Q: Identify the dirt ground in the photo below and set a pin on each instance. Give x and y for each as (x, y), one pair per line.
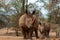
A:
(12, 36)
(21, 38)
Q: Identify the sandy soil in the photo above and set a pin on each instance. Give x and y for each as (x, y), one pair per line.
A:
(21, 38)
(11, 36)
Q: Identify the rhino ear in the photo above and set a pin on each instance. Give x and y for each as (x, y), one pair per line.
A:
(33, 12)
(40, 23)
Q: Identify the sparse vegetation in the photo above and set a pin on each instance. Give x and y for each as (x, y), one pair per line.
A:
(11, 12)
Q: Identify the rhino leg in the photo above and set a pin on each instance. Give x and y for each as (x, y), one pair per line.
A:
(24, 31)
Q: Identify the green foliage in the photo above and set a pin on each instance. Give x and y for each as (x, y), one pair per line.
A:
(3, 20)
(54, 16)
(17, 5)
